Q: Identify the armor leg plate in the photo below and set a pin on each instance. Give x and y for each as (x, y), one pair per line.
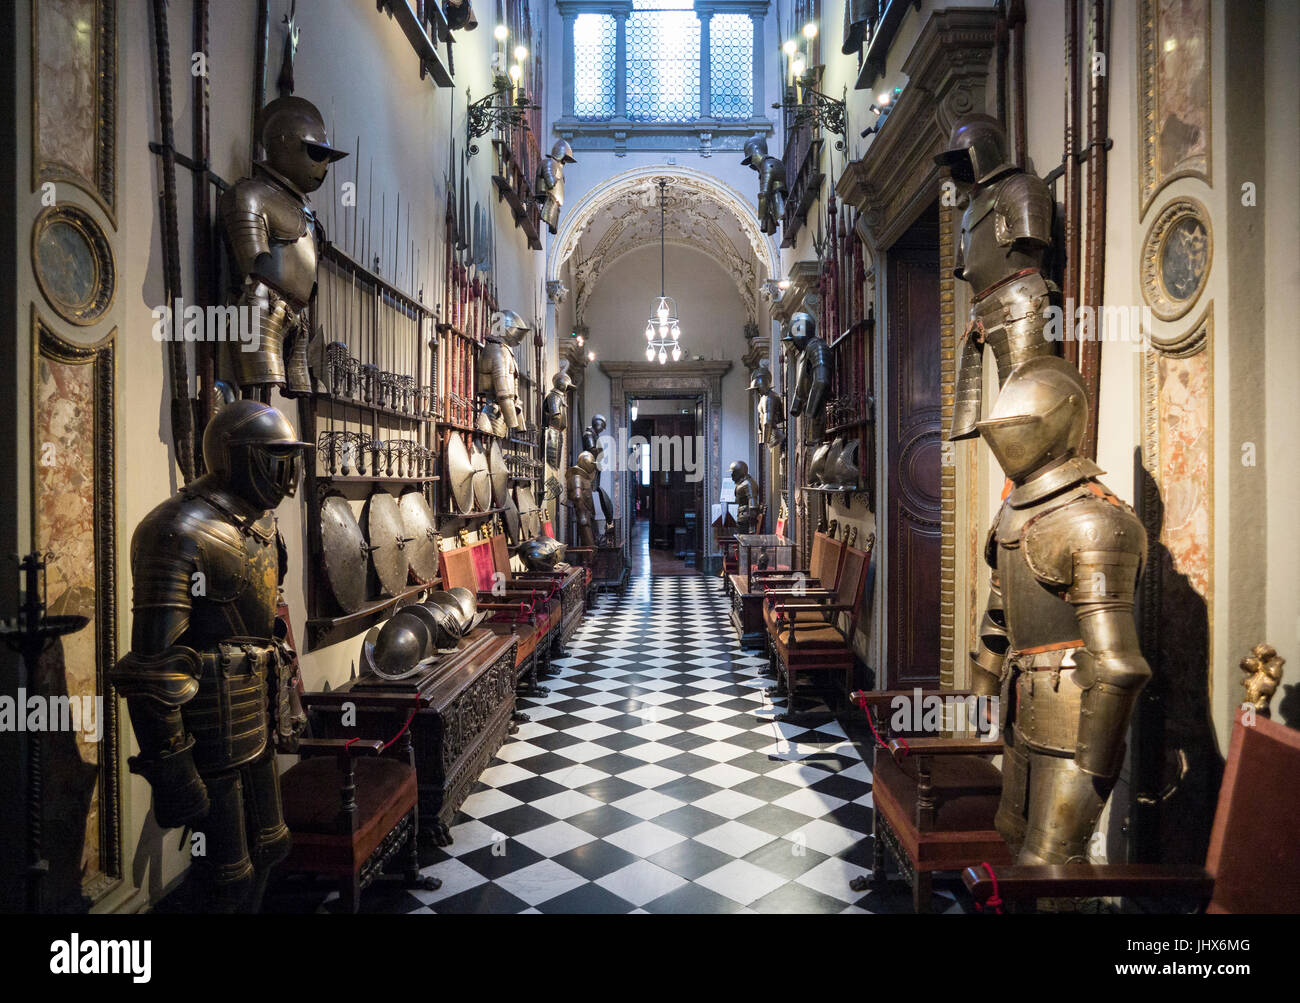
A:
(1064, 804)
(1011, 818)
(224, 874)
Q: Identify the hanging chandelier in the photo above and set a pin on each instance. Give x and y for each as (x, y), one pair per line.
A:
(662, 332)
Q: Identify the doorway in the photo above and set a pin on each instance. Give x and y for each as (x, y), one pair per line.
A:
(665, 504)
(913, 451)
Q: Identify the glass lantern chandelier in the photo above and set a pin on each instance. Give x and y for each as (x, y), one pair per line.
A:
(662, 331)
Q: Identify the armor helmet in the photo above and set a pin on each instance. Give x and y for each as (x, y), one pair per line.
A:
(297, 146)
(761, 379)
(469, 616)
(1039, 417)
(801, 329)
(739, 471)
(977, 150)
(599, 424)
(509, 327)
(400, 645)
(562, 381)
(540, 554)
(252, 448)
(586, 462)
(562, 152)
(755, 151)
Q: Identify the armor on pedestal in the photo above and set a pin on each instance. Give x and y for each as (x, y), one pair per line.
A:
(1058, 642)
(550, 182)
(270, 230)
(498, 372)
(813, 379)
(749, 504)
(1006, 231)
(771, 183)
(205, 663)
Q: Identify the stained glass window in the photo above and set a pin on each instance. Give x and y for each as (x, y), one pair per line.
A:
(594, 51)
(663, 62)
(731, 64)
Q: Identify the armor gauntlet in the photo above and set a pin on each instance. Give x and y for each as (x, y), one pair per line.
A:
(155, 688)
(1110, 667)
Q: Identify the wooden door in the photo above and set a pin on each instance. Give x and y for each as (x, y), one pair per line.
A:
(912, 443)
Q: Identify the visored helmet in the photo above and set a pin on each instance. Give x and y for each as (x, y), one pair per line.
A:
(761, 379)
(297, 146)
(563, 152)
(755, 150)
(977, 150)
(254, 450)
(1039, 417)
(801, 329)
(586, 462)
(562, 381)
(509, 327)
(739, 471)
(599, 424)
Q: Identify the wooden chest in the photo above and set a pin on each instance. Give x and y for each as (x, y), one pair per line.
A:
(458, 711)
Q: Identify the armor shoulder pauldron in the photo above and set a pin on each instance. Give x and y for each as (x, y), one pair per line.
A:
(1089, 521)
(991, 543)
(1024, 210)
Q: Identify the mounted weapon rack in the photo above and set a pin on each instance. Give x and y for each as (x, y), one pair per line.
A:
(850, 323)
(372, 415)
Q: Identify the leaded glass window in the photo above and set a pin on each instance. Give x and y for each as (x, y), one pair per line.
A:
(731, 59)
(594, 52)
(663, 61)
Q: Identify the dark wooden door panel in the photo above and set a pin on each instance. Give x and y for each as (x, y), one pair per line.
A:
(912, 509)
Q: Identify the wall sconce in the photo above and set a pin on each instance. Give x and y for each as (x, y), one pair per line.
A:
(506, 106)
(810, 106)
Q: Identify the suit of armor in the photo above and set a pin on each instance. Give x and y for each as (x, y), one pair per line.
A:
(749, 509)
(205, 662)
(555, 416)
(550, 182)
(270, 230)
(498, 372)
(578, 482)
(1006, 231)
(770, 407)
(813, 378)
(1058, 642)
(771, 183)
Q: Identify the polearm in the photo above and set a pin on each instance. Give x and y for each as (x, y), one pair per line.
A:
(262, 42)
(182, 408)
(205, 280)
(1073, 188)
(1094, 274)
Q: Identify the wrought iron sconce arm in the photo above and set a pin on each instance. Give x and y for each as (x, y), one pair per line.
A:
(819, 110)
(498, 108)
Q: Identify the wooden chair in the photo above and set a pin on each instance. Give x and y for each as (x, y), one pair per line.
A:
(1253, 864)
(802, 634)
(350, 812)
(933, 798)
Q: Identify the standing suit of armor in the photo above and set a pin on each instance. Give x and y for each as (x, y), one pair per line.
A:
(578, 481)
(550, 182)
(771, 409)
(813, 378)
(1006, 231)
(591, 444)
(555, 415)
(498, 372)
(749, 511)
(206, 567)
(270, 230)
(771, 183)
(1058, 641)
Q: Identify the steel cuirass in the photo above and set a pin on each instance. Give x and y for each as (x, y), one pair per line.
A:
(578, 481)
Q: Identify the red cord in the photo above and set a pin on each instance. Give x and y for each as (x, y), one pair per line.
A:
(403, 731)
(994, 901)
(862, 702)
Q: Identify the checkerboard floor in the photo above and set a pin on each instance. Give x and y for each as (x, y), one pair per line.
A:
(653, 778)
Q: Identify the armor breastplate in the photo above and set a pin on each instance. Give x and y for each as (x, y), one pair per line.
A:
(817, 355)
(262, 217)
(498, 370)
(985, 255)
(553, 408)
(1038, 619)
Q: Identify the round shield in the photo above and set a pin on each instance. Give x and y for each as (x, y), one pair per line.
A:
(530, 520)
(345, 553)
(388, 541)
(482, 480)
(511, 514)
(417, 524)
(500, 475)
(460, 472)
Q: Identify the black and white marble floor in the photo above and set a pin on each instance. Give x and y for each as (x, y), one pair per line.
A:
(653, 778)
